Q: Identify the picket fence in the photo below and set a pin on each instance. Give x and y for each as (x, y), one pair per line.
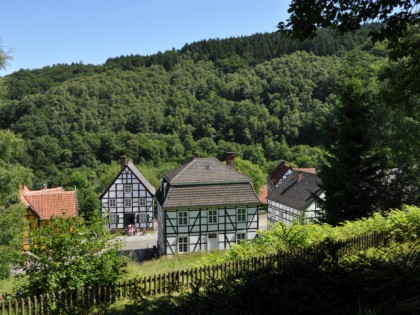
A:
(79, 301)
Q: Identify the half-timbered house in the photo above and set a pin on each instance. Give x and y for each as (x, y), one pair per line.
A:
(129, 199)
(295, 198)
(205, 205)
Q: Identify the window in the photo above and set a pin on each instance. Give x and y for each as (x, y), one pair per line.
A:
(142, 201)
(183, 244)
(183, 218)
(144, 217)
(127, 189)
(212, 216)
(112, 203)
(113, 218)
(241, 215)
(240, 237)
(127, 202)
(212, 235)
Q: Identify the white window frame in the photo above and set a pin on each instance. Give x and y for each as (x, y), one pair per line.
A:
(128, 189)
(241, 215)
(183, 218)
(143, 202)
(128, 202)
(212, 233)
(240, 237)
(182, 244)
(212, 216)
(113, 218)
(112, 203)
(143, 217)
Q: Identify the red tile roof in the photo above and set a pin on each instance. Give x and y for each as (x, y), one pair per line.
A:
(311, 170)
(51, 202)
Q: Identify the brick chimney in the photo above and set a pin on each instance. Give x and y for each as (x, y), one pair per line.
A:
(123, 161)
(300, 176)
(230, 159)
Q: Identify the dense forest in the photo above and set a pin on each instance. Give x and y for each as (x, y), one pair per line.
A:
(266, 97)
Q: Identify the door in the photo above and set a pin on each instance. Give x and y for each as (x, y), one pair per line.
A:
(128, 219)
(212, 242)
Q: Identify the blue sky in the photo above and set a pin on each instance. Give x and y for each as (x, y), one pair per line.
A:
(46, 32)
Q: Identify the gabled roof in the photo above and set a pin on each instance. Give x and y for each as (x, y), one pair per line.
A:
(51, 202)
(295, 193)
(206, 182)
(141, 178)
(151, 189)
(204, 171)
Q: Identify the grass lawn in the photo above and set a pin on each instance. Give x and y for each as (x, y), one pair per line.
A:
(166, 264)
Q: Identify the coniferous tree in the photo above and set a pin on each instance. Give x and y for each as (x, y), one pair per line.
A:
(354, 176)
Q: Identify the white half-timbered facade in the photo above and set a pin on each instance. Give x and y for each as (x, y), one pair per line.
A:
(295, 198)
(205, 205)
(129, 199)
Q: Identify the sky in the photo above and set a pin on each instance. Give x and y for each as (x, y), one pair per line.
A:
(47, 32)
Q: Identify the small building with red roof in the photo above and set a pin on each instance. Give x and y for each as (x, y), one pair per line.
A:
(48, 203)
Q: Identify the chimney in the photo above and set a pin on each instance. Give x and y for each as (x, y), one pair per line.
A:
(196, 155)
(300, 176)
(230, 159)
(45, 186)
(123, 161)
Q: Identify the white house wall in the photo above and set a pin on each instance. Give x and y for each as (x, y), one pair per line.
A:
(198, 228)
(281, 213)
(143, 214)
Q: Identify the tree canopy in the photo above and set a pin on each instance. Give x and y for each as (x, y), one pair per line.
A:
(395, 16)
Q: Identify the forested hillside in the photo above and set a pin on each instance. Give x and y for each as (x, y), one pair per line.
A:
(266, 97)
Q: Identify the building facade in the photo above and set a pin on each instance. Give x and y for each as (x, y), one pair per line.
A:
(129, 199)
(205, 205)
(295, 198)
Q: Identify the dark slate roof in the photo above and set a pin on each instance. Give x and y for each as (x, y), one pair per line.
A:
(297, 194)
(204, 171)
(210, 195)
(206, 182)
(141, 178)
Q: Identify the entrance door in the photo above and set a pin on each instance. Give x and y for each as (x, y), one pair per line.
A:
(128, 219)
(212, 241)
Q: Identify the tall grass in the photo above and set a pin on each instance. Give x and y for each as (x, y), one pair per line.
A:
(166, 264)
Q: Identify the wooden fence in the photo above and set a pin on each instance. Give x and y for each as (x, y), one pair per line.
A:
(79, 301)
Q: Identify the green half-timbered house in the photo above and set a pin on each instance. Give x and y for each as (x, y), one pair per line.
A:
(205, 205)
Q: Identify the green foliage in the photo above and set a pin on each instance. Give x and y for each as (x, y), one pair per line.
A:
(68, 253)
(309, 15)
(253, 171)
(315, 284)
(161, 108)
(280, 237)
(12, 212)
(354, 175)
